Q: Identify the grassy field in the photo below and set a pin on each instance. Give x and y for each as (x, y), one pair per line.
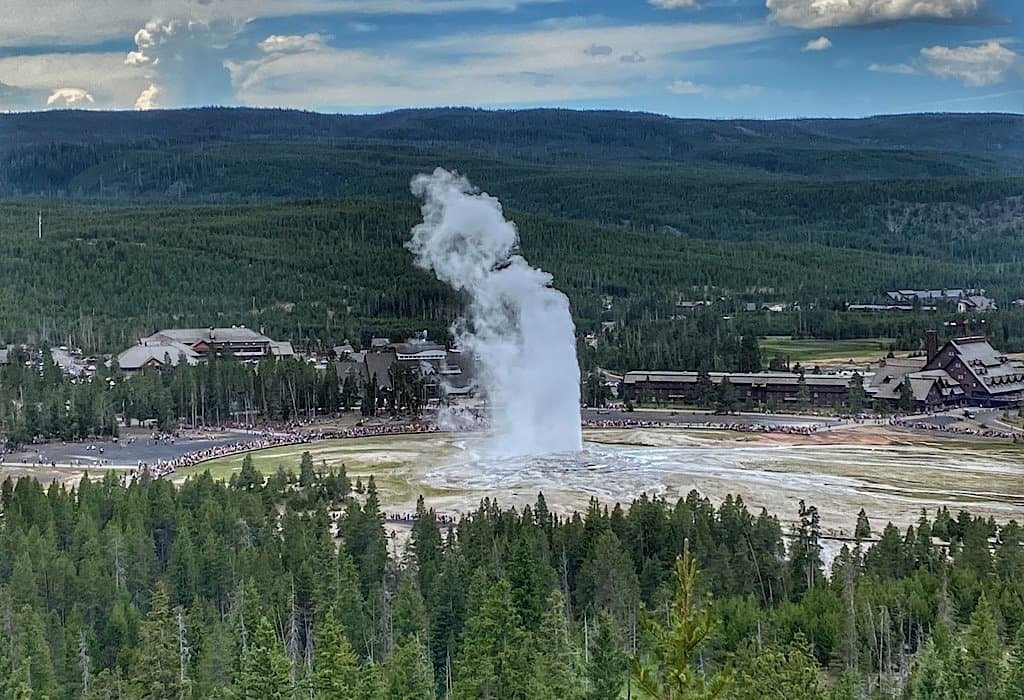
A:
(811, 350)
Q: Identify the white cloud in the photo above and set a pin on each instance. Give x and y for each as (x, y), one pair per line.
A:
(980, 65)
(673, 4)
(897, 68)
(63, 22)
(634, 57)
(149, 98)
(736, 92)
(69, 97)
(277, 43)
(820, 44)
(811, 14)
(33, 79)
(531, 67)
(181, 61)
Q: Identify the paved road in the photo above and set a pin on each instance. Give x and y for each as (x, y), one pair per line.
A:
(117, 454)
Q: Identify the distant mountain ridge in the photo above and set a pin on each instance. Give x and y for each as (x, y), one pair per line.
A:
(524, 133)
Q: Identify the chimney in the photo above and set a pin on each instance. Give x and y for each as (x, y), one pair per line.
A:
(931, 344)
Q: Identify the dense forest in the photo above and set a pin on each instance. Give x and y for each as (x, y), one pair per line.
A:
(319, 273)
(288, 587)
(294, 222)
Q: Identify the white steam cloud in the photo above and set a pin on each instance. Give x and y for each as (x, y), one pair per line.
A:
(517, 326)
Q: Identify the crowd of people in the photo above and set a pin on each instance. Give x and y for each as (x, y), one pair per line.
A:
(953, 429)
(271, 439)
(789, 429)
(409, 518)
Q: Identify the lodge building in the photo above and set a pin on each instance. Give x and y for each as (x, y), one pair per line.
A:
(755, 387)
(173, 346)
(964, 371)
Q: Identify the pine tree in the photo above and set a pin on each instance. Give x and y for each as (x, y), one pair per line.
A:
(803, 393)
(670, 674)
(156, 670)
(31, 658)
(1013, 688)
(495, 660)
(307, 474)
(265, 672)
(606, 670)
(556, 660)
(336, 664)
(863, 529)
(983, 654)
(408, 674)
(856, 396)
(906, 401)
(726, 396)
(408, 614)
(775, 674)
(607, 582)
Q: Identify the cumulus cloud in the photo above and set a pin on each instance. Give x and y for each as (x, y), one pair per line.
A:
(812, 14)
(673, 4)
(634, 57)
(69, 97)
(896, 68)
(149, 98)
(737, 92)
(820, 44)
(182, 64)
(976, 66)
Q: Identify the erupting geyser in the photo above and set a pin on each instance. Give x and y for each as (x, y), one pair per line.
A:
(517, 327)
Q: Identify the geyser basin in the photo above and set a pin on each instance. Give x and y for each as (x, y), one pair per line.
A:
(517, 326)
(890, 481)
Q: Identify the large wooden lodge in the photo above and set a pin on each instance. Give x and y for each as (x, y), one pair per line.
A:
(964, 371)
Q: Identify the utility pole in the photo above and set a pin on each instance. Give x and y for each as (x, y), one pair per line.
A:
(40, 224)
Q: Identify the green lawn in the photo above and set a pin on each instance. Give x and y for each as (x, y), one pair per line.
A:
(812, 350)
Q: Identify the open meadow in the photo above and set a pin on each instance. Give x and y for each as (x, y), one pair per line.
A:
(812, 350)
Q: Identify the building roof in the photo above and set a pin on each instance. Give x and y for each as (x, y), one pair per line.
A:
(922, 384)
(996, 372)
(281, 348)
(887, 379)
(378, 365)
(753, 378)
(140, 356)
(191, 336)
(417, 347)
(981, 303)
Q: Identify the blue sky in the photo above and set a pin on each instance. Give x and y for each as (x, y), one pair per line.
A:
(703, 58)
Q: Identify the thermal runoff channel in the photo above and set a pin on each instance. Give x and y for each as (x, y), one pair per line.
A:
(517, 326)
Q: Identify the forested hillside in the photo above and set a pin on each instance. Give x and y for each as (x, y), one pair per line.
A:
(294, 221)
(322, 272)
(217, 590)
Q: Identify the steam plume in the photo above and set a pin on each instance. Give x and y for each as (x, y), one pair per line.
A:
(517, 326)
